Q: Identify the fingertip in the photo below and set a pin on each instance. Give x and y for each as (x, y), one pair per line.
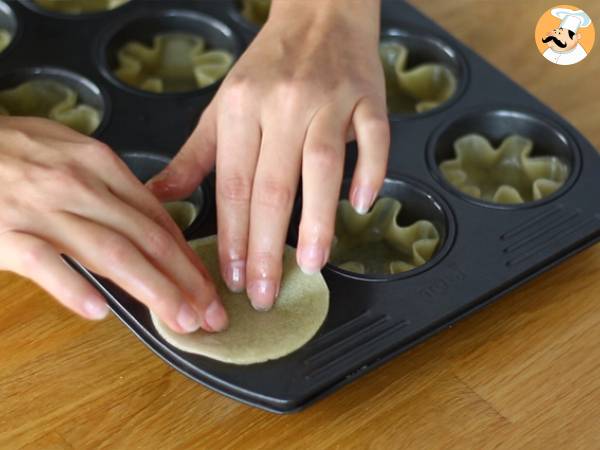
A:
(262, 294)
(188, 319)
(94, 308)
(215, 317)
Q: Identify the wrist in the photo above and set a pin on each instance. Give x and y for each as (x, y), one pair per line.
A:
(362, 15)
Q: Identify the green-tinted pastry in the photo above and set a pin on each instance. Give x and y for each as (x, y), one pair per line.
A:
(253, 336)
(256, 11)
(49, 99)
(183, 213)
(420, 88)
(79, 6)
(375, 244)
(176, 62)
(507, 175)
(5, 39)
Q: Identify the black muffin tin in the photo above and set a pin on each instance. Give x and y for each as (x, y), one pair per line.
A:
(486, 250)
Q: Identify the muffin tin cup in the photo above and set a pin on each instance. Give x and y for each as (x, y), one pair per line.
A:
(143, 27)
(144, 165)
(495, 124)
(419, 202)
(31, 4)
(87, 92)
(425, 47)
(8, 22)
(486, 251)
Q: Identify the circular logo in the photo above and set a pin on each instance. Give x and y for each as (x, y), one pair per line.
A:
(565, 35)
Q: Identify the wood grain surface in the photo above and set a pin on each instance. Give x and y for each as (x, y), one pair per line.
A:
(523, 373)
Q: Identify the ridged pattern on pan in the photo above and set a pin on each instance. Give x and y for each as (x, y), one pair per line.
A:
(79, 6)
(52, 100)
(175, 62)
(415, 89)
(182, 212)
(374, 243)
(5, 38)
(256, 11)
(506, 175)
(252, 336)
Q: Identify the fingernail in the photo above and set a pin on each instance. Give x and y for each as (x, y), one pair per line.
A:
(95, 309)
(236, 272)
(362, 199)
(262, 294)
(215, 316)
(311, 258)
(188, 319)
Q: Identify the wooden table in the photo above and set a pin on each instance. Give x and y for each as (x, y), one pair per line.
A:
(523, 373)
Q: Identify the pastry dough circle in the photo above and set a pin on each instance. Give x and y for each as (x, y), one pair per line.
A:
(254, 337)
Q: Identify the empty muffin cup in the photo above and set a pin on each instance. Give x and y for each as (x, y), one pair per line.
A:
(53, 93)
(406, 231)
(172, 52)
(8, 26)
(145, 165)
(505, 158)
(74, 7)
(421, 72)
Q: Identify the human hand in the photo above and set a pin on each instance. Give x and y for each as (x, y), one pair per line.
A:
(65, 193)
(311, 77)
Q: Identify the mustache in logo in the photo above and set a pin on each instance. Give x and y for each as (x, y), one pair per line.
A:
(556, 41)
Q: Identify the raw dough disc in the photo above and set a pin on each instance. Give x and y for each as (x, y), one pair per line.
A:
(252, 336)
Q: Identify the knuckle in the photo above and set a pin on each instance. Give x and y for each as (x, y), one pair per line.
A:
(159, 243)
(291, 92)
(236, 92)
(377, 126)
(98, 148)
(235, 188)
(325, 156)
(273, 193)
(117, 250)
(32, 255)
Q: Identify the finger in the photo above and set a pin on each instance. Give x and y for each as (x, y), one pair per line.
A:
(373, 137)
(191, 164)
(162, 250)
(123, 185)
(238, 146)
(32, 257)
(115, 257)
(322, 172)
(273, 192)
(44, 129)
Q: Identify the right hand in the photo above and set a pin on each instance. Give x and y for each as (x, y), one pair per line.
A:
(65, 193)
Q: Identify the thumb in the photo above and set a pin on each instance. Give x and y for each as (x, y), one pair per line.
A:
(191, 164)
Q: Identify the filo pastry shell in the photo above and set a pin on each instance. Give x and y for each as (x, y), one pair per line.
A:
(415, 89)
(506, 175)
(374, 243)
(175, 62)
(52, 100)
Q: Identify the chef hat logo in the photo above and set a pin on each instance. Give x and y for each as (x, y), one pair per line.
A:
(565, 35)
